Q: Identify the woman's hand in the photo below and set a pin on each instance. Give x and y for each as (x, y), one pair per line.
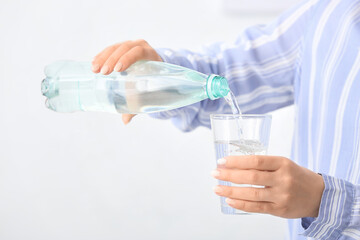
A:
(120, 56)
(291, 191)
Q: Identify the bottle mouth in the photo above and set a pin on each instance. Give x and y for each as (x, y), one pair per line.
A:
(216, 87)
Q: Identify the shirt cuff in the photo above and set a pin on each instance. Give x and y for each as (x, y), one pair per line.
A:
(165, 55)
(335, 210)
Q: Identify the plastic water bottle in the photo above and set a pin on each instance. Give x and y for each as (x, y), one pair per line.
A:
(145, 87)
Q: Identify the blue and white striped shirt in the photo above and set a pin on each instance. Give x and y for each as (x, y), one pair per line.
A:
(308, 57)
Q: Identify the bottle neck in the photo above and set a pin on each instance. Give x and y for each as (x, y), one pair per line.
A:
(216, 87)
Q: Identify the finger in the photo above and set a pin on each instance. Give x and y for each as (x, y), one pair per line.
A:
(133, 55)
(259, 162)
(100, 59)
(245, 193)
(250, 206)
(253, 177)
(126, 118)
(113, 59)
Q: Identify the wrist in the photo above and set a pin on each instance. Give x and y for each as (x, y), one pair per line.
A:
(318, 189)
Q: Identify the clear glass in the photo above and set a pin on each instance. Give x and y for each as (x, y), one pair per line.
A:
(236, 135)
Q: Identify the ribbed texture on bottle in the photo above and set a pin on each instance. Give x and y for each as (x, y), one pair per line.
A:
(217, 87)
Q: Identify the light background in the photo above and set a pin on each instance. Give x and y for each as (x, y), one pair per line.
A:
(85, 175)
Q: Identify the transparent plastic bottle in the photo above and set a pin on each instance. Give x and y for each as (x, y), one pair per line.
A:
(145, 87)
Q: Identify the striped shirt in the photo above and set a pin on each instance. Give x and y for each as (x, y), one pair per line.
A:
(308, 57)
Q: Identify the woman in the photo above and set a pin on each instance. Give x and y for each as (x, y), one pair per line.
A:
(308, 57)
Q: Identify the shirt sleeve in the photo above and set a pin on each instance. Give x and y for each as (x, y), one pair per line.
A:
(339, 213)
(260, 66)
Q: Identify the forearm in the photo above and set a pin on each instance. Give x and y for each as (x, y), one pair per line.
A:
(205, 62)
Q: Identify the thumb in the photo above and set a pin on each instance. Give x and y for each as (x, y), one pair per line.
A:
(126, 118)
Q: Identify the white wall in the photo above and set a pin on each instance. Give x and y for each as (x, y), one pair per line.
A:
(86, 176)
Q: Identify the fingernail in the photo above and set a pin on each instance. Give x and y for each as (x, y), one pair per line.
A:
(217, 189)
(104, 69)
(221, 161)
(215, 173)
(229, 201)
(118, 67)
(95, 67)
